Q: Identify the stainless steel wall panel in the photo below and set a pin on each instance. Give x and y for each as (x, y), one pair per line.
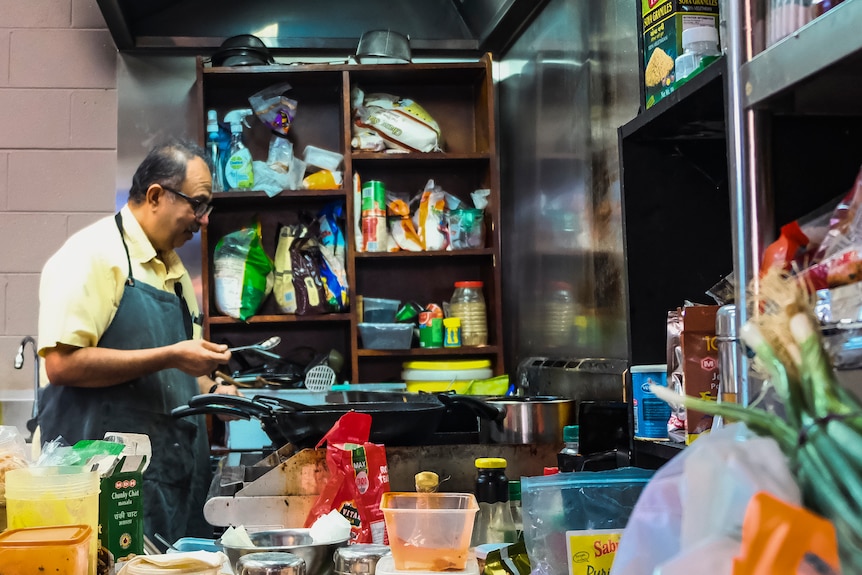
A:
(565, 86)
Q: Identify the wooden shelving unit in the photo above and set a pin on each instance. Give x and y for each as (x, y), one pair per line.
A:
(460, 97)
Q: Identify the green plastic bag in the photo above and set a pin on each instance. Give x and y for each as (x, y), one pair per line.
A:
(243, 273)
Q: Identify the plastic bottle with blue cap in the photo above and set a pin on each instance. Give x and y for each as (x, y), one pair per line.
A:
(238, 173)
(213, 142)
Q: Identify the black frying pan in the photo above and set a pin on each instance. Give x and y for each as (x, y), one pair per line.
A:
(393, 423)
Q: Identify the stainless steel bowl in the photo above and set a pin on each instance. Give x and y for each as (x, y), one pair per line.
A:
(317, 556)
(359, 559)
(270, 563)
(383, 46)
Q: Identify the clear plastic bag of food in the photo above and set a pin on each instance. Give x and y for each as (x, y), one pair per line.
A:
(273, 108)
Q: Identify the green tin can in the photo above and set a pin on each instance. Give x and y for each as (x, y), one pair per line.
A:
(373, 198)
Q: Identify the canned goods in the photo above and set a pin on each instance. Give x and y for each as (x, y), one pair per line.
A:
(373, 198)
(375, 235)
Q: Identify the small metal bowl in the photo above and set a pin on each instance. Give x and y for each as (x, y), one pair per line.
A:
(359, 559)
(270, 563)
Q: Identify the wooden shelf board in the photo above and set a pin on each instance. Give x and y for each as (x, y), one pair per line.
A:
(281, 318)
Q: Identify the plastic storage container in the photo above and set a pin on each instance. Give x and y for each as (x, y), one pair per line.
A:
(554, 504)
(323, 159)
(51, 496)
(386, 566)
(189, 544)
(386, 335)
(55, 550)
(429, 531)
(468, 303)
(378, 310)
(700, 45)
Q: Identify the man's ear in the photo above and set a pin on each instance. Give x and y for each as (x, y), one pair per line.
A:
(155, 195)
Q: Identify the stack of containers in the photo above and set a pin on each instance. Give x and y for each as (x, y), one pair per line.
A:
(441, 376)
(55, 496)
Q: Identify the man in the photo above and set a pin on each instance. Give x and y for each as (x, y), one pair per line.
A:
(119, 331)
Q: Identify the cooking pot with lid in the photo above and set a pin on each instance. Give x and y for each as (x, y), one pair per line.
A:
(535, 419)
(242, 50)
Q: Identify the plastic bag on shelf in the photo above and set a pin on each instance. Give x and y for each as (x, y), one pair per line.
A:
(273, 108)
(401, 122)
(243, 273)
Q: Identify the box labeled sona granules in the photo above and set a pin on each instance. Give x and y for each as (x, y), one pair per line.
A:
(663, 22)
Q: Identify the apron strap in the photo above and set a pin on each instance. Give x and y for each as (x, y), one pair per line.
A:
(119, 219)
(187, 314)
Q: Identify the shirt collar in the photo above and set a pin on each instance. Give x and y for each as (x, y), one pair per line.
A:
(141, 249)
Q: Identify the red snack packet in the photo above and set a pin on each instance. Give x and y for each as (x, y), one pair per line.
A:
(358, 477)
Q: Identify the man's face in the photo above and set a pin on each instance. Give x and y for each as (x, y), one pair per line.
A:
(181, 220)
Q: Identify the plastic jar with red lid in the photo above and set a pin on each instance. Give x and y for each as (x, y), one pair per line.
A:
(468, 303)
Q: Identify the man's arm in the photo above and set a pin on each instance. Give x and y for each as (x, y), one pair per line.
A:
(103, 367)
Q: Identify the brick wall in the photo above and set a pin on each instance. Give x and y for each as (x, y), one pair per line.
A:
(58, 149)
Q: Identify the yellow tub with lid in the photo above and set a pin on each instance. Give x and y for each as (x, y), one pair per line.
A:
(461, 377)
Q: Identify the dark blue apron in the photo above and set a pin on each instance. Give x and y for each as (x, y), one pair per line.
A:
(177, 480)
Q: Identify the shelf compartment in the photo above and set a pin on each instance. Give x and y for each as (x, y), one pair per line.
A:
(830, 45)
(319, 117)
(694, 111)
(456, 97)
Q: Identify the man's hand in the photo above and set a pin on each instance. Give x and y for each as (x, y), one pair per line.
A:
(217, 385)
(199, 357)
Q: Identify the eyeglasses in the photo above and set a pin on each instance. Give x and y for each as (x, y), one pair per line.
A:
(200, 207)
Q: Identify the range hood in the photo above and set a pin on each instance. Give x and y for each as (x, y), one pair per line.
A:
(325, 27)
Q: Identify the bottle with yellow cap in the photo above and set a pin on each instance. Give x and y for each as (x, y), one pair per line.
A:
(494, 522)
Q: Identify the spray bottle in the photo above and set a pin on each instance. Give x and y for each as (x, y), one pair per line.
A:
(213, 148)
(238, 172)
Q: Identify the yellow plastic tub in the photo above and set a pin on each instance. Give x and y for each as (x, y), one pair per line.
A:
(458, 387)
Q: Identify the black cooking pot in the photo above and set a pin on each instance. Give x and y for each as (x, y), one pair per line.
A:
(242, 50)
(395, 423)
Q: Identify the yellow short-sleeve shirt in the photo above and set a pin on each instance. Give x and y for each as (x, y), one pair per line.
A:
(82, 283)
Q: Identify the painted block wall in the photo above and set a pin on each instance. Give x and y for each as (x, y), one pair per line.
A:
(58, 150)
